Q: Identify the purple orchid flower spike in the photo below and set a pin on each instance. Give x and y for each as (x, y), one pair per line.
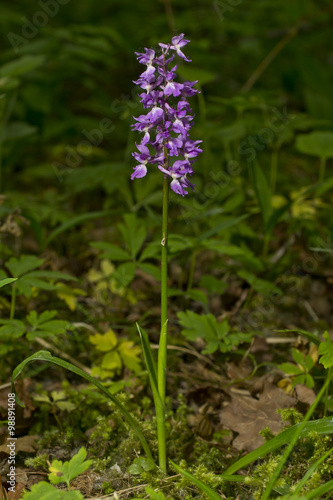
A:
(167, 124)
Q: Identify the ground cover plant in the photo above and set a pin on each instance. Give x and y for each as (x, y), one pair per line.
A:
(222, 389)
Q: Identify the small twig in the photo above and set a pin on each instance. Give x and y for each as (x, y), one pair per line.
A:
(169, 14)
(279, 340)
(282, 250)
(189, 351)
(5, 386)
(132, 488)
(84, 325)
(311, 312)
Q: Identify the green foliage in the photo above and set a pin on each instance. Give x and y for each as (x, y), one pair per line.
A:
(259, 285)
(6, 281)
(43, 326)
(140, 465)
(134, 234)
(46, 356)
(65, 472)
(45, 491)
(56, 399)
(153, 495)
(118, 353)
(316, 144)
(202, 486)
(250, 228)
(134, 257)
(216, 335)
(61, 472)
(262, 192)
(300, 372)
(325, 349)
(29, 277)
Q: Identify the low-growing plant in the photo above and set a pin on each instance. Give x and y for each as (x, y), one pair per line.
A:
(216, 334)
(116, 354)
(61, 472)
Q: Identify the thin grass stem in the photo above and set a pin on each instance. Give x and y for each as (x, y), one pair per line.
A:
(13, 300)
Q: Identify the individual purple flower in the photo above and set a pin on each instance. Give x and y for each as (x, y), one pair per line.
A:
(177, 43)
(146, 58)
(173, 88)
(169, 118)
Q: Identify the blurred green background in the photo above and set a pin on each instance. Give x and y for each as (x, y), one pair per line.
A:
(67, 101)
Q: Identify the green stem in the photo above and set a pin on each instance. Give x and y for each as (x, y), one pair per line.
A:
(164, 255)
(292, 443)
(329, 375)
(266, 245)
(322, 169)
(169, 14)
(162, 350)
(2, 112)
(12, 304)
(0, 162)
(274, 163)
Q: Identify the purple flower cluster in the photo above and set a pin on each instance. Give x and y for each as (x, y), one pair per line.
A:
(167, 124)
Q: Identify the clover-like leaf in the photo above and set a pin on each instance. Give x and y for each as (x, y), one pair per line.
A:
(45, 491)
(140, 465)
(64, 472)
(129, 354)
(24, 264)
(104, 342)
(111, 361)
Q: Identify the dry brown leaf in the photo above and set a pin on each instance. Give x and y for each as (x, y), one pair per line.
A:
(248, 416)
(305, 394)
(239, 371)
(25, 443)
(17, 494)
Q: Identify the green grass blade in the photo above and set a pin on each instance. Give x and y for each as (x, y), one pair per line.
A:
(322, 426)
(222, 225)
(294, 439)
(203, 487)
(162, 360)
(262, 191)
(151, 368)
(46, 356)
(235, 477)
(310, 336)
(158, 402)
(321, 490)
(74, 222)
(311, 471)
(6, 281)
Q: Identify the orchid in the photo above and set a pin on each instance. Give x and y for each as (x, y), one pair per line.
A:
(167, 124)
(166, 145)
